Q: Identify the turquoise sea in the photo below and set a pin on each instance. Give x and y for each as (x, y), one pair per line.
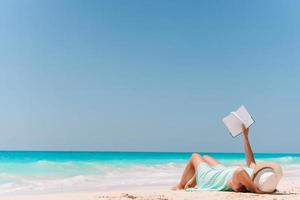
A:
(42, 171)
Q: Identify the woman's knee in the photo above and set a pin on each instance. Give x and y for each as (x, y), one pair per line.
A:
(206, 157)
(196, 156)
(196, 159)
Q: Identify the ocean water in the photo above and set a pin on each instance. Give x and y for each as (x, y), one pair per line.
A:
(27, 172)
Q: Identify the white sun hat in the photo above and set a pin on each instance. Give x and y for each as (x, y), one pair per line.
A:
(266, 176)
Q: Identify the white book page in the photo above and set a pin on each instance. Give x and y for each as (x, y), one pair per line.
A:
(234, 121)
(233, 124)
(245, 116)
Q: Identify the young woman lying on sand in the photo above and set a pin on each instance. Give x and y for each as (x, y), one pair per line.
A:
(204, 173)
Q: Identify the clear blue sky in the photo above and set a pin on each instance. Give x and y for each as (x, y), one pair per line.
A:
(148, 75)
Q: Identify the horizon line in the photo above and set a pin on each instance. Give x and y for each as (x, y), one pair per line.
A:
(107, 151)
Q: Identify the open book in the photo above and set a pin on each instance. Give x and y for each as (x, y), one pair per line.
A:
(234, 121)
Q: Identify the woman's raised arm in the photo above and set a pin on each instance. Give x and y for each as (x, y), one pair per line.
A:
(248, 150)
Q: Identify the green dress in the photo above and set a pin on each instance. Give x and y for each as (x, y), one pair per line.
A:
(214, 178)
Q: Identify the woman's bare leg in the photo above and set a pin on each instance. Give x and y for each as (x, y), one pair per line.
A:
(189, 171)
(210, 160)
(191, 183)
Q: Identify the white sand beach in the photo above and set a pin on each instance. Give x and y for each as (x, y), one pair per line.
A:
(289, 188)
